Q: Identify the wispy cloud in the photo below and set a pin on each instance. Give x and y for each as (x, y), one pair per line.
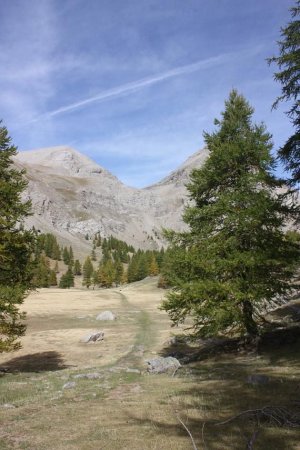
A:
(132, 87)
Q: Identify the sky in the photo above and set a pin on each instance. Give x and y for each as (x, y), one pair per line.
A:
(134, 83)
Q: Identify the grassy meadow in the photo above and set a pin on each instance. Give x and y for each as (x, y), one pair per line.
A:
(121, 406)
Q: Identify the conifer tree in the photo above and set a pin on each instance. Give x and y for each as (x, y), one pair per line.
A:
(119, 271)
(71, 257)
(16, 246)
(87, 271)
(106, 273)
(41, 272)
(288, 63)
(67, 279)
(95, 278)
(66, 256)
(56, 269)
(52, 278)
(93, 255)
(77, 267)
(153, 266)
(236, 257)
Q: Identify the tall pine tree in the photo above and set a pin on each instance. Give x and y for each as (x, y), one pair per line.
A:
(236, 256)
(288, 63)
(16, 246)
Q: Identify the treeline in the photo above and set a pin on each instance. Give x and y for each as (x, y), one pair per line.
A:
(47, 248)
(120, 263)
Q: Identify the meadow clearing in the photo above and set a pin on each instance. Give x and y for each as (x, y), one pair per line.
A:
(115, 403)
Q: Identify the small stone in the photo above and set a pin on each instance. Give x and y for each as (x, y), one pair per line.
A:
(88, 376)
(106, 315)
(93, 337)
(8, 406)
(128, 370)
(69, 385)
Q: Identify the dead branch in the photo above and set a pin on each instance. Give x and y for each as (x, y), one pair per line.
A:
(277, 415)
(189, 433)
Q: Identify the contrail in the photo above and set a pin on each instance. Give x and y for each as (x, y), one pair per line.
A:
(137, 85)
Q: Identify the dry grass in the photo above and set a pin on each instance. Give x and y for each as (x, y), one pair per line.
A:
(123, 410)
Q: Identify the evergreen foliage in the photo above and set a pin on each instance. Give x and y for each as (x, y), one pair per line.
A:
(93, 255)
(41, 276)
(288, 63)
(236, 257)
(106, 273)
(16, 246)
(87, 271)
(77, 267)
(67, 279)
(48, 244)
(42, 272)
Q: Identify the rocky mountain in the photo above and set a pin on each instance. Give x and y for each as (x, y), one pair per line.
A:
(72, 196)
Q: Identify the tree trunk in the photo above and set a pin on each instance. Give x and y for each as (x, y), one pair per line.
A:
(248, 320)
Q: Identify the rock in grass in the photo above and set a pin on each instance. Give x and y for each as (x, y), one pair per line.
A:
(162, 365)
(95, 336)
(129, 370)
(258, 379)
(88, 376)
(69, 385)
(106, 315)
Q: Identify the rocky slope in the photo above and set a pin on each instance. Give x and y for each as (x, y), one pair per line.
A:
(73, 196)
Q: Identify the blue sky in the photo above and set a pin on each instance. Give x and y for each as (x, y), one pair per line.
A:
(133, 84)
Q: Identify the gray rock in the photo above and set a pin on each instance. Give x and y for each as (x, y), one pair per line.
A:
(88, 376)
(258, 379)
(106, 315)
(128, 370)
(95, 336)
(8, 406)
(162, 365)
(69, 385)
(117, 369)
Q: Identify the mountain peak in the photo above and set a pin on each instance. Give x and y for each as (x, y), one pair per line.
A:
(62, 160)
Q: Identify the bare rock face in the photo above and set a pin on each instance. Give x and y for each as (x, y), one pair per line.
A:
(72, 196)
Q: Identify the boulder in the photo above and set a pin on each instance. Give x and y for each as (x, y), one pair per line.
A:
(106, 315)
(95, 336)
(162, 365)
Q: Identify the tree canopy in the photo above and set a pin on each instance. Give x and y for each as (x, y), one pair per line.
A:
(236, 257)
(16, 246)
(288, 63)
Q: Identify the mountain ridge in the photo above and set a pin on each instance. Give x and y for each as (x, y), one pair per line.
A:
(73, 196)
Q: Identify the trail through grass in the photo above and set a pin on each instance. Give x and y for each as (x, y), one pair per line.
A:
(121, 409)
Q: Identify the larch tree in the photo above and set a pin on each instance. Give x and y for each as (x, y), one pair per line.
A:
(236, 257)
(288, 62)
(87, 271)
(16, 246)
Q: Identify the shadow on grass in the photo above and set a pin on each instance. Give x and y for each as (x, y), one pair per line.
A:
(35, 362)
(270, 343)
(218, 389)
(219, 392)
